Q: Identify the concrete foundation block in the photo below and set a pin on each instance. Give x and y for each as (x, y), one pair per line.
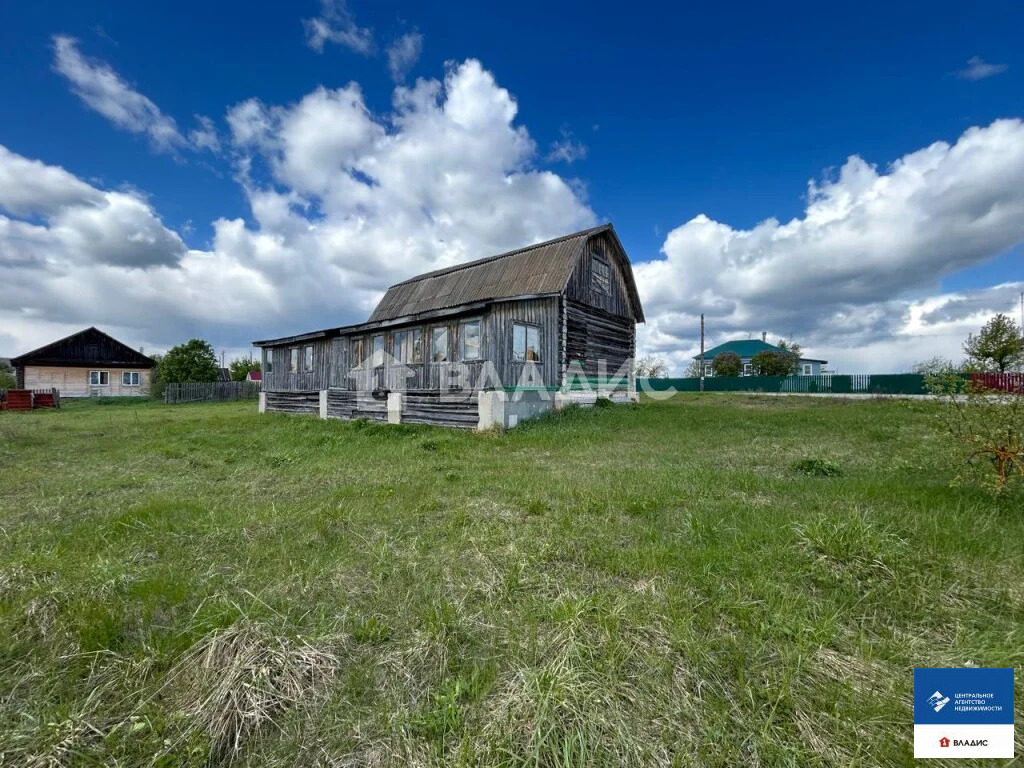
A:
(492, 410)
(263, 402)
(323, 403)
(394, 408)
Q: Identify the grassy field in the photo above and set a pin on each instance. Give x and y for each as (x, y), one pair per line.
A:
(637, 585)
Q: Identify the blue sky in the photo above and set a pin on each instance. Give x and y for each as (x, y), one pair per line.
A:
(666, 113)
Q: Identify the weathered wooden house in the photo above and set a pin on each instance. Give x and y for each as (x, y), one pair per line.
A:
(531, 325)
(87, 363)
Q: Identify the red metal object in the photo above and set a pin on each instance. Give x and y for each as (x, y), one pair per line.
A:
(44, 400)
(19, 400)
(1001, 382)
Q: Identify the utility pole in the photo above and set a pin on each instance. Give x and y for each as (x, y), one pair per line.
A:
(701, 351)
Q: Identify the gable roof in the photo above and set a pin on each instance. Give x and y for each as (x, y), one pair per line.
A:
(536, 270)
(77, 349)
(748, 348)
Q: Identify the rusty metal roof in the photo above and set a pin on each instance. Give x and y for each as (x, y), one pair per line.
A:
(540, 269)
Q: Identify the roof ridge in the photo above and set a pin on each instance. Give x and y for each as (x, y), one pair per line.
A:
(513, 252)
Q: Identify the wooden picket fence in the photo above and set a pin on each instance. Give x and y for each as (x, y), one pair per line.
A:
(206, 391)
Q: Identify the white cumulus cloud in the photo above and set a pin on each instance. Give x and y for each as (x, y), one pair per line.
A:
(343, 203)
(847, 273)
(403, 53)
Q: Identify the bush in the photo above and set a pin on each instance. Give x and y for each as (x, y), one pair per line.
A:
(603, 402)
(727, 364)
(985, 426)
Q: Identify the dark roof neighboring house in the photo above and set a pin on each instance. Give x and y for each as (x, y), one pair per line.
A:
(536, 270)
(83, 349)
(747, 348)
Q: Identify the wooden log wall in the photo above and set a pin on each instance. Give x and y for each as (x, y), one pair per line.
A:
(294, 402)
(593, 335)
(441, 410)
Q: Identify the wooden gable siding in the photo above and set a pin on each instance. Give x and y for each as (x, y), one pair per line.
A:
(280, 379)
(580, 287)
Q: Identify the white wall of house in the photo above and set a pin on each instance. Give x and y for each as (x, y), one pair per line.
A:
(807, 368)
(88, 382)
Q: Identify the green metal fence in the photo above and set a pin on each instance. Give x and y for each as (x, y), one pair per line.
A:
(860, 383)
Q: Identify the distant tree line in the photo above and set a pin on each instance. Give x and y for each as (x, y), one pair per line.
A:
(194, 361)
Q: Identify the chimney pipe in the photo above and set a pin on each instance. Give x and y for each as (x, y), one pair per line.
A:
(764, 335)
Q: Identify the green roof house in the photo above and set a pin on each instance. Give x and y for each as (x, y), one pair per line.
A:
(747, 348)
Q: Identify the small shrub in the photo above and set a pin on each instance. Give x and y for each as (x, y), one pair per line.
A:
(603, 402)
(987, 428)
(818, 468)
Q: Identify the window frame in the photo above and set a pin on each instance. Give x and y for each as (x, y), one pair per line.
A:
(293, 360)
(417, 346)
(307, 358)
(356, 347)
(709, 370)
(100, 377)
(748, 369)
(374, 350)
(268, 362)
(600, 282)
(447, 331)
(808, 369)
(463, 357)
(136, 375)
(528, 329)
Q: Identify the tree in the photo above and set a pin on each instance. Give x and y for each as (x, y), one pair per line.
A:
(998, 347)
(240, 367)
(987, 426)
(727, 364)
(650, 367)
(935, 366)
(7, 379)
(791, 347)
(692, 370)
(194, 360)
(768, 362)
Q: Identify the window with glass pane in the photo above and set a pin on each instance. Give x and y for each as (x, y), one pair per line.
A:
(525, 343)
(129, 378)
(378, 350)
(357, 352)
(400, 346)
(417, 345)
(293, 360)
(601, 276)
(439, 345)
(471, 340)
(99, 378)
(270, 361)
(307, 359)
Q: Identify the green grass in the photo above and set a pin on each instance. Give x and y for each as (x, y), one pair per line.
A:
(716, 581)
